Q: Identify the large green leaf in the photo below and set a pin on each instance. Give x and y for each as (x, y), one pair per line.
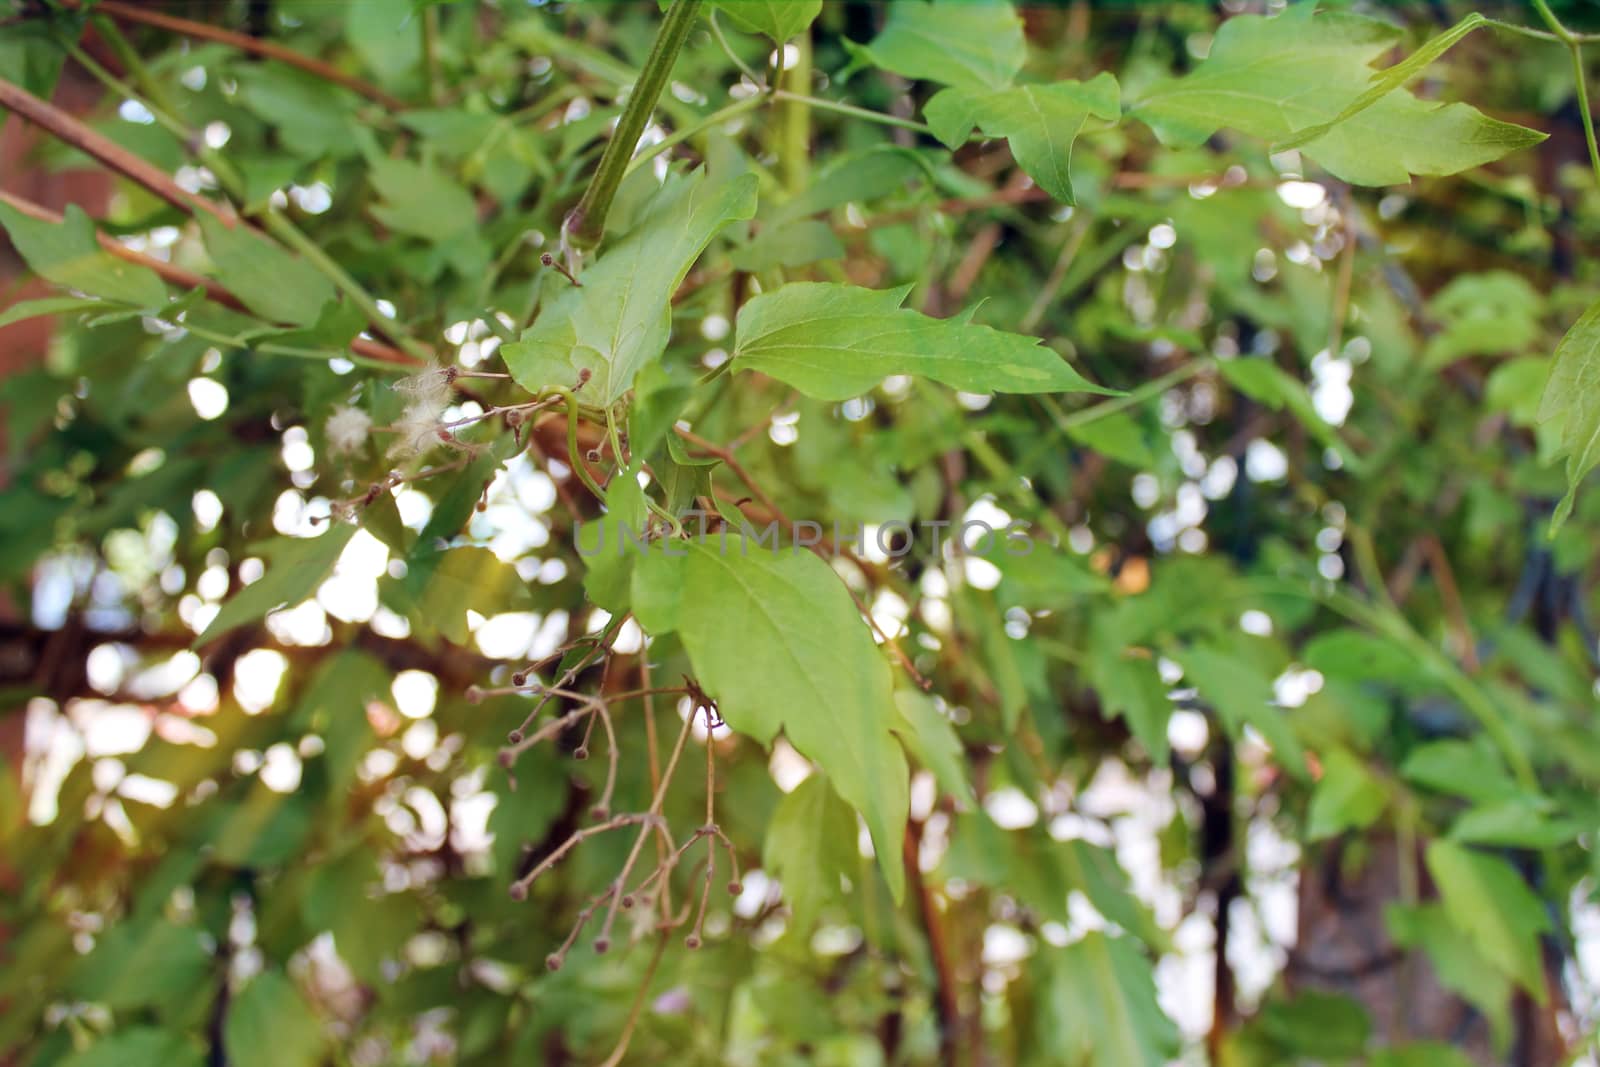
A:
(68, 254)
(271, 282)
(778, 19)
(1572, 400)
(1100, 1006)
(970, 44)
(1041, 122)
(1272, 77)
(620, 318)
(834, 342)
(1493, 907)
(778, 643)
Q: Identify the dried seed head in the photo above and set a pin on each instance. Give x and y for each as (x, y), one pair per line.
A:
(601, 945)
(514, 737)
(581, 752)
(548, 260)
(520, 678)
(735, 888)
(626, 901)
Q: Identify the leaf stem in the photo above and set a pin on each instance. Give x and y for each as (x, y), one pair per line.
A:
(1153, 388)
(1574, 43)
(850, 109)
(733, 110)
(587, 223)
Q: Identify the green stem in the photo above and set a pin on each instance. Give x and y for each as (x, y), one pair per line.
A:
(733, 110)
(1574, 43)
(280, 227)
(796, 120)
(578, 465)
(269, 348)
(1149, 390)
(587, 223)
(430, 53)
(850, 109)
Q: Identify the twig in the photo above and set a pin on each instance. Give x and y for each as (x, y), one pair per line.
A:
(215, 291)
(127, 12)
(626, 1037)
(1450, 594)
(68, 129)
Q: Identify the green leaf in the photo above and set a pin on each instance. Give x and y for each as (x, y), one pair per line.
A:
(1347, 797)
(1270, 78)
(1460, 768)
(332, 705)
(442, 587)
(620, 318)
(776, 640)
(1419, 1054)
(1483, 314)
(272, 283)
(1130, 686)
(1518, 822)
(295, 567)
(52, 305)
(810, 843)
(139, 1046)
(1241, 695)
(1457, 963)
(420, 200)
(970, 44)
(657, 587)
(1493, 907)
(68, 254)
(1319, 1026)
(778, 19)
(834, 342)
(931, 738)
(1572, 402)
(387, 35)
(1116, 436)
(141, 965)
(1040, 122)
(1390, 79)
(346, 898)
(1099, 1006)
(611, 545)
(269, 1024)
(1266, 383)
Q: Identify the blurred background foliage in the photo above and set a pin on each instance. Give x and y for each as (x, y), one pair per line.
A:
(1208, 781)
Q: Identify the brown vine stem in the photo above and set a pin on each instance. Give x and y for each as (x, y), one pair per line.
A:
(63, 126)
(626, 1037)
(656, 802)
(215, 291)
(126, 12)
